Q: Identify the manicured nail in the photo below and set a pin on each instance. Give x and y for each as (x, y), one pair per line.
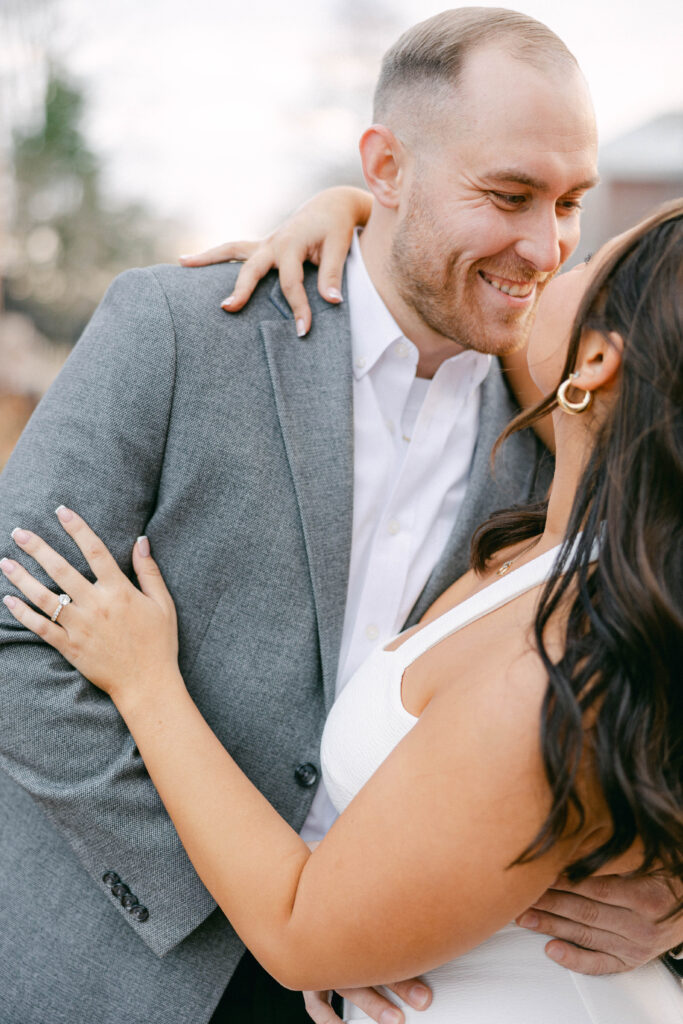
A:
(419, 996)
(20, 536)
(184, 256)
(389, 1017)
(528, 920)
(7, 565)
(64, 514)
(300, 328)
(334, 293)
(555, 952)
(227, 303)
(11, 602)
(143, 546)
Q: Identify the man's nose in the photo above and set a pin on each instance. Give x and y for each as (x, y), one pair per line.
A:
(543, 244)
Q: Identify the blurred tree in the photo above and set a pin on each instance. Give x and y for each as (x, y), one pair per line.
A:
(67, 240)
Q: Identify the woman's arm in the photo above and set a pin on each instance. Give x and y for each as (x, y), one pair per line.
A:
(413, 873)
(319, 232)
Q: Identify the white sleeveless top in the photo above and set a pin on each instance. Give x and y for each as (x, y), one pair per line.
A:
(507, 979)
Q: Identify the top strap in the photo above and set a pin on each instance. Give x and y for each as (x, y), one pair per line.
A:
(514, 584)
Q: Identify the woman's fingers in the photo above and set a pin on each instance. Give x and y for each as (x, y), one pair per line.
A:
(292, 284)
(149, 575)
(255, 268)
(39, 624)
(95, 551)
(58, 569)
(335, 249)
(37, 594)
(220, 254)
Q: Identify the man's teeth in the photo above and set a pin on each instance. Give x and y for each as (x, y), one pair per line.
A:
(517, 290)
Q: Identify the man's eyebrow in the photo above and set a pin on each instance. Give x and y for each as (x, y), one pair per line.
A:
(519, 178)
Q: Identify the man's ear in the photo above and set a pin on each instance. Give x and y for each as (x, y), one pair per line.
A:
(599, 360)
(383, 157)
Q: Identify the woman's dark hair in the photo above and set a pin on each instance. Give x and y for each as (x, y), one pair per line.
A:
(616, 693)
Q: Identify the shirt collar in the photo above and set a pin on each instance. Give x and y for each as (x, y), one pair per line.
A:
(373, 328)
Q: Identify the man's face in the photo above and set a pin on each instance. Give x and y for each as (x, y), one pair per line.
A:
(491, 201)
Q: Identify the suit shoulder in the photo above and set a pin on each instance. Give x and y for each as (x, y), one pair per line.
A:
(202, 289)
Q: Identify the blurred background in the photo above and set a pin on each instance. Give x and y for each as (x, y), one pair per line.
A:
(134, 130)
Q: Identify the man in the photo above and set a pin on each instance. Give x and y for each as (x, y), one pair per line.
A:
(234, 449)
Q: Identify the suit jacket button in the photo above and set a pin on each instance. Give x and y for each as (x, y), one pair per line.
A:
(119, 890)
(128, 900)
(306, 774)
(110, 878)
(139, 912)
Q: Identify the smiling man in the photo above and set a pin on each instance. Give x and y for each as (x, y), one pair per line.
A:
(304, 501)
(477, 170)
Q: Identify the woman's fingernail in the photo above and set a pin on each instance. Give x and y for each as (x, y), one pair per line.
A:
(389, 1017)
(64, 514)
(300, 328)
(20, 536)
(528, 920)
(419, 996)
(227, 303)
(143, 546)
(7, 565)
(11, 602)
(184, 256)
(334, 293)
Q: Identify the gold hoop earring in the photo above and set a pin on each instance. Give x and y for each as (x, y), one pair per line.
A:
(575, 408)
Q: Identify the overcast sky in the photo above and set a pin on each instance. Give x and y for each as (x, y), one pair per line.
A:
(211, 110)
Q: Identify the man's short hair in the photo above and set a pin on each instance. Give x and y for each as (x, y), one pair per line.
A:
(428, 59)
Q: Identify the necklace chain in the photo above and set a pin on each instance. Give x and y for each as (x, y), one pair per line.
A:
(506, 565)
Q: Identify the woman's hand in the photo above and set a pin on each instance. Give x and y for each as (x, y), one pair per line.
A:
(319, 232)
(120, 638)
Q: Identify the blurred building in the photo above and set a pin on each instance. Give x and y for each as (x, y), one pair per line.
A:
(639, 171)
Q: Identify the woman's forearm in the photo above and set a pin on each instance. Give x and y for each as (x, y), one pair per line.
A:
(246, 855)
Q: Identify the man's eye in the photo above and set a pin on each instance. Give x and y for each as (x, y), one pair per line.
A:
(571, 204)
(510, 200)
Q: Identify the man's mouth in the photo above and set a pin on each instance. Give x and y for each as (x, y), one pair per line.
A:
(517, 289)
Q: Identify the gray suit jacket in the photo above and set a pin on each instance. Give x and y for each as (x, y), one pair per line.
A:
(229, 442)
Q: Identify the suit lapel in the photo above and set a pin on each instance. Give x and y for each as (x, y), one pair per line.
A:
(312, 383)
(512, 481)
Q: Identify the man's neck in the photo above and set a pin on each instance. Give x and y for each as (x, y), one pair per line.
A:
(434, 348)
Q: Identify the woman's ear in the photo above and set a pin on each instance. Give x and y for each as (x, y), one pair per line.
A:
(599, 360)
(383, 157)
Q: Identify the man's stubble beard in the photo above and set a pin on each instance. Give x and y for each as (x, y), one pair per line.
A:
(433, 287)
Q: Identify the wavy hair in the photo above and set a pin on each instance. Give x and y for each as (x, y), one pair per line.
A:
(616, 692)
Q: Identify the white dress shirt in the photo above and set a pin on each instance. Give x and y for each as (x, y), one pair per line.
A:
(413, 445)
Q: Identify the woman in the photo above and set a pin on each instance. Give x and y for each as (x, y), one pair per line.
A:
(457, 814)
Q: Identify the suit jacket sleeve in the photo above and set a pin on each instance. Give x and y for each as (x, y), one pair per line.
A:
(96, 444)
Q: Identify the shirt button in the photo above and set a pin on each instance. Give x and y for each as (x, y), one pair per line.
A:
(360, 362)
(390, 426)
(402, 349)
(306, 774)
(393, 527)
(371, 632)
